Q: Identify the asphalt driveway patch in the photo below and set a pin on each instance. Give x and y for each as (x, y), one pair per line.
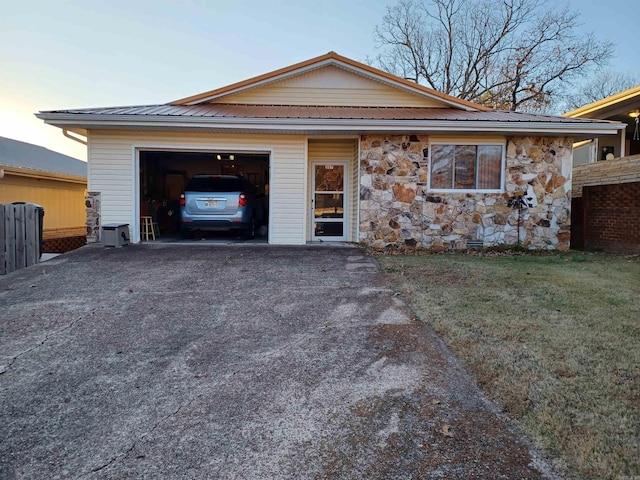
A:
(234, 362)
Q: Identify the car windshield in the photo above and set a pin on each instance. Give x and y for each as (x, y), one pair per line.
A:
(214, 184)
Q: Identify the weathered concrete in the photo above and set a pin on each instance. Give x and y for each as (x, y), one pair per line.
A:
(243, 362)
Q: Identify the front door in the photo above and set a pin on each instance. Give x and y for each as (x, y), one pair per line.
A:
(328, 201)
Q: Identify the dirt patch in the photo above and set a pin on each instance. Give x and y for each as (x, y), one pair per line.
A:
(442, 429)
(401, 342)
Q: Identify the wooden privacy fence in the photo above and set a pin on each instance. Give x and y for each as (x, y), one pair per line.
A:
(20, 236)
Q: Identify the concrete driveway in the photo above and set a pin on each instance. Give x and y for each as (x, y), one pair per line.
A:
(235, 362)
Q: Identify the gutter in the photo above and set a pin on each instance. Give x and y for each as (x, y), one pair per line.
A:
(66, 133)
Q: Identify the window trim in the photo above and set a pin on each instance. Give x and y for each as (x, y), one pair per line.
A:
(454, 143)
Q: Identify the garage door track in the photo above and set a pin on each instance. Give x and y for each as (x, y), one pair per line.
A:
(235, 362)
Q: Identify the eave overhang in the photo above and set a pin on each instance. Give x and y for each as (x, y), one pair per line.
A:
(324, 125)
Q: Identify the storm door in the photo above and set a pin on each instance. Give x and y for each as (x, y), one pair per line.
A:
(328, 201)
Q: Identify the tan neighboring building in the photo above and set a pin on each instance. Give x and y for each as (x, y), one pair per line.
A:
(56, 182)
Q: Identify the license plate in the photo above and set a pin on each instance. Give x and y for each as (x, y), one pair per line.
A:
(211, 203)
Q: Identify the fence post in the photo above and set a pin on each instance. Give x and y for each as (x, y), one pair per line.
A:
(21, 223)
(32, 247)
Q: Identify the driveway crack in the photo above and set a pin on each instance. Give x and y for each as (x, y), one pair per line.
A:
(12, 360)
(138, 440)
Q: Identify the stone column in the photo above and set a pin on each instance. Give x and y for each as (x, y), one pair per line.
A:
(92, 204)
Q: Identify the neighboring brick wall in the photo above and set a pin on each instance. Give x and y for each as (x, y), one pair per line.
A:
(618, 170)
(612, 217)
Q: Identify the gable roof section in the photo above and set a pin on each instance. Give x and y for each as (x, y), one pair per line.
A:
(433, 112)
(330, 59)
(621, 102)
(14, 153)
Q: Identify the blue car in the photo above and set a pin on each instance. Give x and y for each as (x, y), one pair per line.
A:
(218, 203)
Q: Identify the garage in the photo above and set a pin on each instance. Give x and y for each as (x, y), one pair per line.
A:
(164, 174)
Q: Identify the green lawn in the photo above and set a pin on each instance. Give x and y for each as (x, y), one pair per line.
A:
(554, 339)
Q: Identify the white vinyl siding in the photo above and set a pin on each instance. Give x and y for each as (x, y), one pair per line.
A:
(321, 150)
(330, 86)
(112, 158)
(355, 191)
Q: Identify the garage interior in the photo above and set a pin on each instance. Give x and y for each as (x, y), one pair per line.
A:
(164, 174)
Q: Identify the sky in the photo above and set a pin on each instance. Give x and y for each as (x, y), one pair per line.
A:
(67, 54)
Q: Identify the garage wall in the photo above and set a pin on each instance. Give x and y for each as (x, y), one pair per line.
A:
(111, 172)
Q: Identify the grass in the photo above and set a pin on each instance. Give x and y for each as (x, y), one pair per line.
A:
(554, 339)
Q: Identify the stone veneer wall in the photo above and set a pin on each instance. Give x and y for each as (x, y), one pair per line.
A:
(396, 209)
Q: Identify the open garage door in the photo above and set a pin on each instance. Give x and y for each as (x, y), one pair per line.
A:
(165, 174)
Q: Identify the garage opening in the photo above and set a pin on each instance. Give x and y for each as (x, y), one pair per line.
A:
(165, 174)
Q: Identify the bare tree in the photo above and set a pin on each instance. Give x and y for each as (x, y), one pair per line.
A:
(602, 85)
(507, 54)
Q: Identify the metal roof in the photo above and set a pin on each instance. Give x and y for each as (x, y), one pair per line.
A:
(231, 111)
(14, 153)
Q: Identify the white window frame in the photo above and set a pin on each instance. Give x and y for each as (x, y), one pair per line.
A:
(455, 143)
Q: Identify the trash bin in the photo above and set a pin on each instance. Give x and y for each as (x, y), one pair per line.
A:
(115, 234)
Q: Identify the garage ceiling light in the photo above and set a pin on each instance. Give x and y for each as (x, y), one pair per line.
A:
(225, 157)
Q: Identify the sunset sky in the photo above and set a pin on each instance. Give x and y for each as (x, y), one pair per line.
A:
(73, 54)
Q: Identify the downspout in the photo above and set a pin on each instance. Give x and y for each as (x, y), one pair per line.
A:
(66, 133)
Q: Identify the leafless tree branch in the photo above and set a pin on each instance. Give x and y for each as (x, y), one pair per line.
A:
(511, 54)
